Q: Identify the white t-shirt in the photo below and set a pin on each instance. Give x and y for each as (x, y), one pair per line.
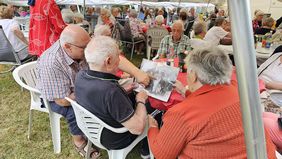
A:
(215, 34)
(9, 25)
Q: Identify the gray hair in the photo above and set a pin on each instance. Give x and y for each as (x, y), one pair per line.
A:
(219, 21)
(67, 15)
(159, 19)
(78, 15)
(133, 13)
(99, 48)
(199, 28)
(211, 65)
(268, 22)
(104, 30)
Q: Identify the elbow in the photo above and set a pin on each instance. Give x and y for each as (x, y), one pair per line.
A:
(139, 129)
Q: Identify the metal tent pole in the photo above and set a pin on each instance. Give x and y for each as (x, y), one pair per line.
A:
(245, 59)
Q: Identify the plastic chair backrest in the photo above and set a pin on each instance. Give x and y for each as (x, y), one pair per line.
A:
(7, 52)
(156, 34)
(124, 30)
(91, 125)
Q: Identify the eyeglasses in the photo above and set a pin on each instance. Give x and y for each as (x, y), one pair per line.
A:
(81, 47)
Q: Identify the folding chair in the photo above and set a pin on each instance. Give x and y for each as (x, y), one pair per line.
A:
(92, 127)
(126, 36)
(8, 56)
(26, 76)
(154, 38)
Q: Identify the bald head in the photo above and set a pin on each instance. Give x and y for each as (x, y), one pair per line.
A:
(74, 39)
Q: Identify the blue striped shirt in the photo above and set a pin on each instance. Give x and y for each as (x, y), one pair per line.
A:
(56, 73)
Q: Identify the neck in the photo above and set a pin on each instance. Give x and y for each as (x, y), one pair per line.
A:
(99, 69)
(195, 86)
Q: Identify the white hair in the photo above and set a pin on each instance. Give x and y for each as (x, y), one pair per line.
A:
(104, 30)
(159, 19)
(99, 48)
(178, 22)
(78, 15)
(211, 65)
(67, 15)
(106, 12)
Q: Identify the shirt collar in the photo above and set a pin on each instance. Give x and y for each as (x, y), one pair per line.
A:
(181, 39)
(102, 75)
(207, 88)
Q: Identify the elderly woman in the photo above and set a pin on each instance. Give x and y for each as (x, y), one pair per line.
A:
(106, 18)
(257, 21)
(200, 30)
(209, 119)
(267, 24)
(13, 32)
(159, 20)
(68, 16)
(136, 30)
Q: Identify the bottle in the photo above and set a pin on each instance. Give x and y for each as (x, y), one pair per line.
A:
(181, 63)
(269, 40)
(263, 42)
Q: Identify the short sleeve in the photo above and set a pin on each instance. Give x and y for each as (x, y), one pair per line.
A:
(221, 33)
(15, 25)
(120, 106)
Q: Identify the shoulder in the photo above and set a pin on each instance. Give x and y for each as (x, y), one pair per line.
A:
(52, 57)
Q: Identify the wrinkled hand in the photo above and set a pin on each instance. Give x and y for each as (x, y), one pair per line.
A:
(129, 87)
(179, 87)
(152, 122)
(143, 78)
(142, 96)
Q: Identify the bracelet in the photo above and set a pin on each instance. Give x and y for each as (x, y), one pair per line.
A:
(140, 102)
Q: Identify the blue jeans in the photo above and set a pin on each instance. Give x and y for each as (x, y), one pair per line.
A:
(68, 113)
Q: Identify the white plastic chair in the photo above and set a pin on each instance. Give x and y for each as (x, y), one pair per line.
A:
(154, 38)
(278, 155)
(92, 127)
(26, 76)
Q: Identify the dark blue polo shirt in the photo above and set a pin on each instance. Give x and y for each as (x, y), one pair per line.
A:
(101, 94)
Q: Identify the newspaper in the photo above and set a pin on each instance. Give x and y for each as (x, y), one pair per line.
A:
(163, 79)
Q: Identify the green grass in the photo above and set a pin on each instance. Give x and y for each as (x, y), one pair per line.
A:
(14, 113)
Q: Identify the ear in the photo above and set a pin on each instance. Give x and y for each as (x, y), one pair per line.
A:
(193, 76)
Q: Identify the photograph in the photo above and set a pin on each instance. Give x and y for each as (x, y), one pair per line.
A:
(163, 79)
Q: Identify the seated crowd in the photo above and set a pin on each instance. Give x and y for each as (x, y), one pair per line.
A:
(85, 68)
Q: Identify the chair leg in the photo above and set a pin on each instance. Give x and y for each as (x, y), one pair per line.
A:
(132, 51)
(89, 146)
(55, 131)
(29, 124)
(148, 50)
(116, 154)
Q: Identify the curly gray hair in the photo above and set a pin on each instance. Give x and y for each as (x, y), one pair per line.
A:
(211, 65)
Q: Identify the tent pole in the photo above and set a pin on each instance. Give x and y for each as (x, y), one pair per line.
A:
(245, 59)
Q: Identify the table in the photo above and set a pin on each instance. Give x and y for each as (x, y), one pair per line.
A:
(260, 51)
(175, 97)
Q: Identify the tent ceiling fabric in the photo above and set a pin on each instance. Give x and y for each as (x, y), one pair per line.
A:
(115, 2)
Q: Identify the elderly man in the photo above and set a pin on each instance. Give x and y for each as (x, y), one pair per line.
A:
(109, 101)
(209, 120)
(57, 69)
(217, 35)
(175, 43)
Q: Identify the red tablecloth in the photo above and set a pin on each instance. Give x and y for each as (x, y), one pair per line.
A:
(175, 97)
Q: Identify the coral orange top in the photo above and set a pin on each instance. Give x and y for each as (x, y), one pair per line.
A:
(206, 125)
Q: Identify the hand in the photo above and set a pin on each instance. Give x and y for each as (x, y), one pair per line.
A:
(125, 75)
(179, 87)
(143, 78)
(152, 122)
(142, 97)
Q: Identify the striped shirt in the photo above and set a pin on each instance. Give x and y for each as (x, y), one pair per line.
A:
(56, 73)
(178, 47)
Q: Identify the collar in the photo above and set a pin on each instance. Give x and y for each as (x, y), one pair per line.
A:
(181, 39)
(207, 88)
(102, 76)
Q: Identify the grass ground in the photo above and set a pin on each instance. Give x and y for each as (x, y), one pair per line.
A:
(14, 113)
